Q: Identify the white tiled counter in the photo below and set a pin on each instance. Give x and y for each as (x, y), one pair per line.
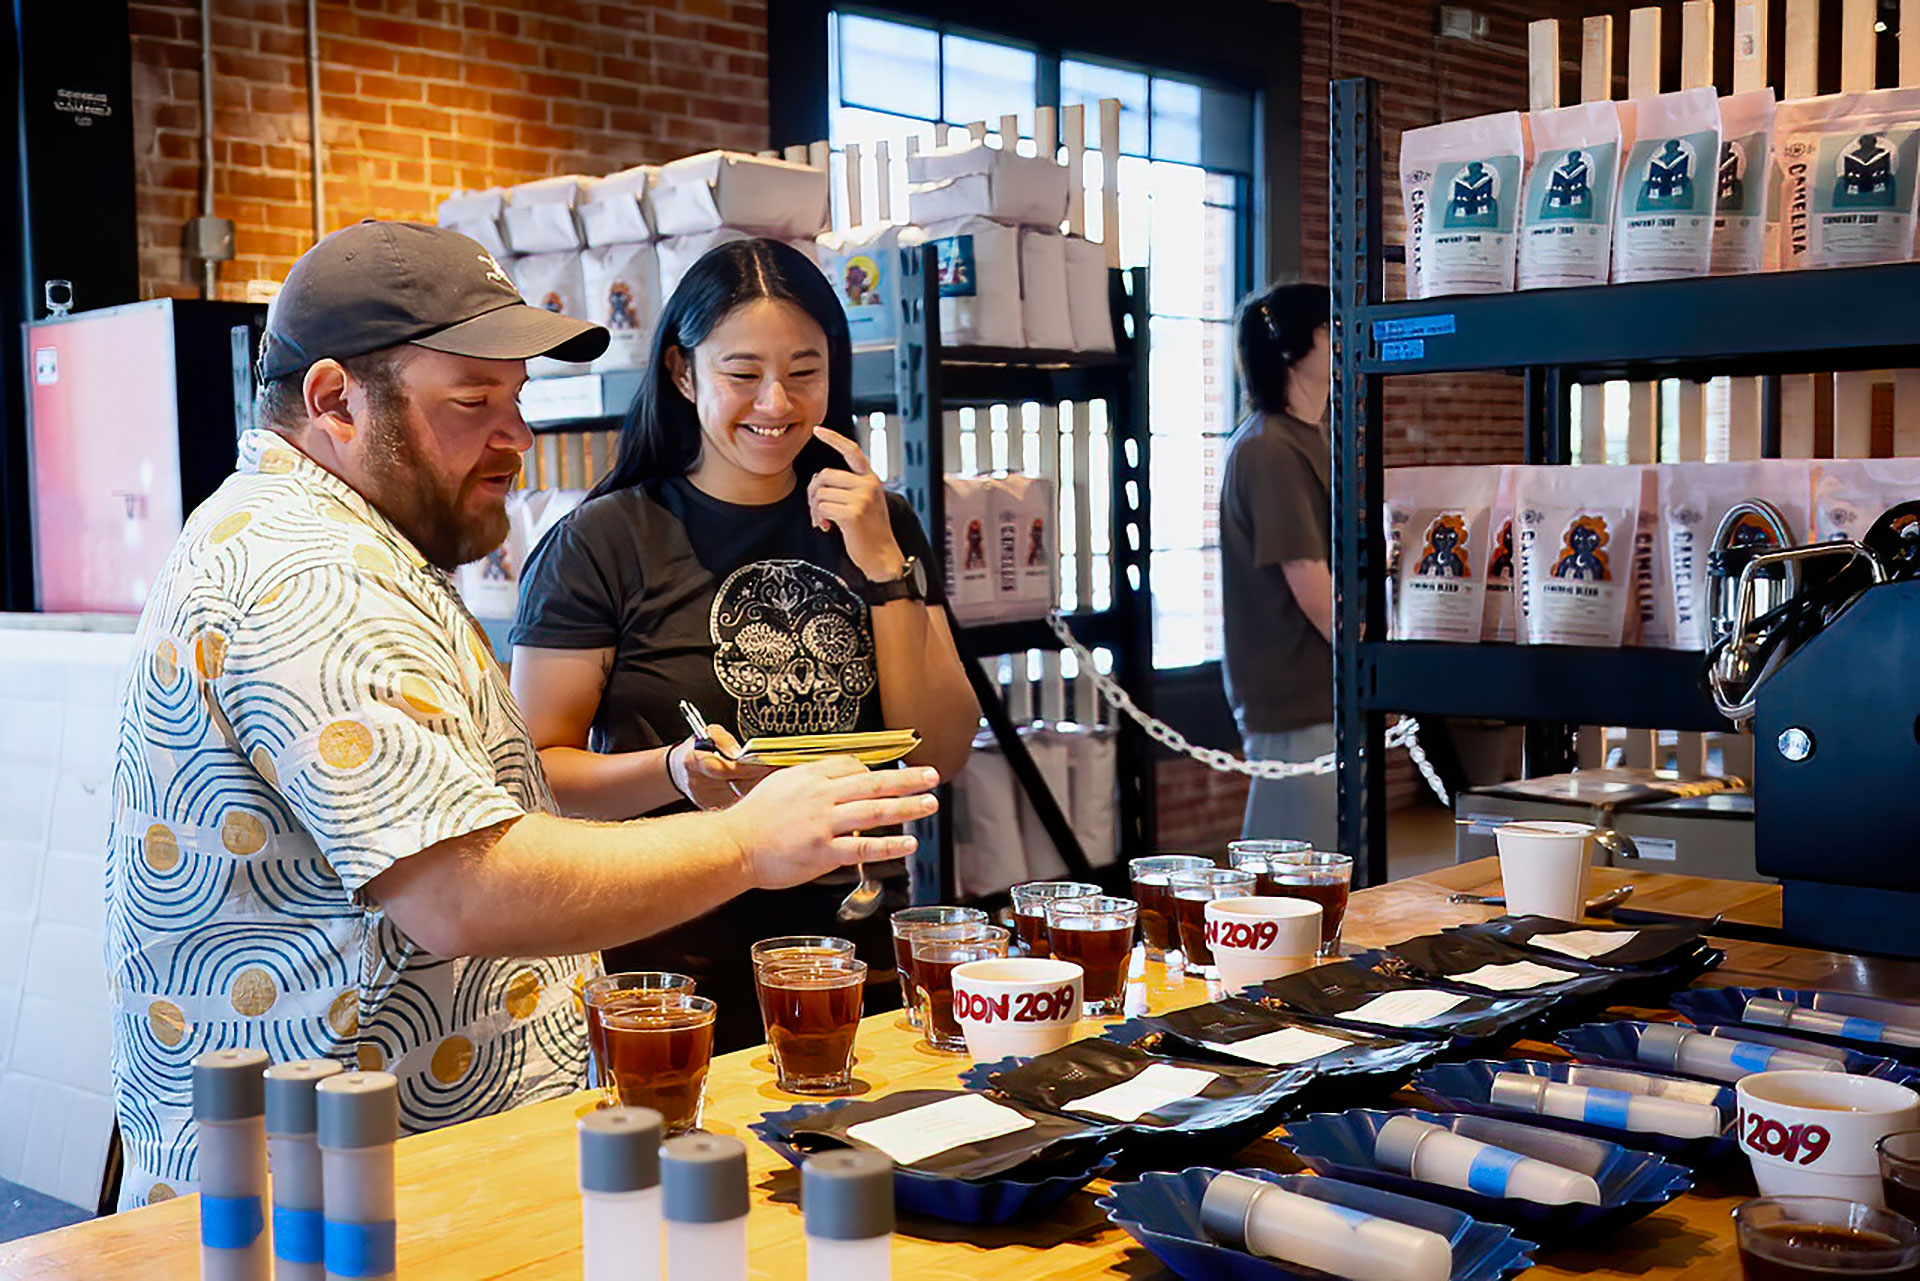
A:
(59, 719)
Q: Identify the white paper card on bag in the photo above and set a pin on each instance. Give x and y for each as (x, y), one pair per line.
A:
(1404, 1009)
(1275, 1049)
(1159, 1085)
(1517, 976)
(918, 1133)
(1585, 944)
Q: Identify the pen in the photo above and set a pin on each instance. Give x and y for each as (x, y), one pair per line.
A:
(702, 742)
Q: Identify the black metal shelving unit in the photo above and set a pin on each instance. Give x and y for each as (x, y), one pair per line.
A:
(919, 380)
(1768, 324)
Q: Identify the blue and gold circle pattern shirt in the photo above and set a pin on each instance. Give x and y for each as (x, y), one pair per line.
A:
(308, 703)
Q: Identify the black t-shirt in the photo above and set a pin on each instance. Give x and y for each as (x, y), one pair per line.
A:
(743, 610)
(1275, 506)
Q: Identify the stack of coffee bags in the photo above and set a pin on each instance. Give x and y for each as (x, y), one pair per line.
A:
(544, 233)
(620, 270)
(994, 217)
(480, 214)
(707, 200)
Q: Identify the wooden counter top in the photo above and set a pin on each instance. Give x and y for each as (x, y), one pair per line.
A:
(496, 1198)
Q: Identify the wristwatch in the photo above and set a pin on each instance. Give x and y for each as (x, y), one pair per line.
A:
(911, 585)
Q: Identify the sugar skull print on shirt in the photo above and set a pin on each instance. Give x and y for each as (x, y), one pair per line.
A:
(794, 647)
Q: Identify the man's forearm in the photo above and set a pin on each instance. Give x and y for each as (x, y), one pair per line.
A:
(546, 886)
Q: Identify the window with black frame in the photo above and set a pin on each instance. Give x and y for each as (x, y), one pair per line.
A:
(1186, 179)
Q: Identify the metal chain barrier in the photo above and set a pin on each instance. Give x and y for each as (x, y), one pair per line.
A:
(1403, 733)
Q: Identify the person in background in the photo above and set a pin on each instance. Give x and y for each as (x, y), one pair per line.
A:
(1276, 588)
(742, 555)
(332, 837)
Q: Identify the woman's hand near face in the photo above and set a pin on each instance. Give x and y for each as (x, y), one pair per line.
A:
(854, 501)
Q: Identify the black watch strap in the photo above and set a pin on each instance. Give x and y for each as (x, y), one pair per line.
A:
(911, 585)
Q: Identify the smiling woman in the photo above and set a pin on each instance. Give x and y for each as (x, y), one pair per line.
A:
(743, 556)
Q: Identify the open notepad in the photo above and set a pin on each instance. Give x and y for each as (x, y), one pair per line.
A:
(876, 748)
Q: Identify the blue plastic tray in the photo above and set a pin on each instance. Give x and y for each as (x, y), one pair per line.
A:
(1465, 1087)
(1723, 1006)
(1162, 1213)
(985, 1201)
(1618, 1044)
(1632, 1183)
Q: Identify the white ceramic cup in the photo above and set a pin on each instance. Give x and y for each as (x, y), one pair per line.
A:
(1812, 1133)
(1256, 939)
(1544, 867)
(1017, 1005)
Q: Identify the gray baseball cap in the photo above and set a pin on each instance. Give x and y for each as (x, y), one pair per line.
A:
(380, 284)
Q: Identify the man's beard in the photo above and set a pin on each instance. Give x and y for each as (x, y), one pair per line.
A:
(422, 504)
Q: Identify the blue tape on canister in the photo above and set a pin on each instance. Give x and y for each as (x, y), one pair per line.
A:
(1607, 1107)
(360, 1249)
(1490, 1170)
(299, 1236)
(1749, 1057)
(1347, 1212)
(230, 1222)
(1863, 1029)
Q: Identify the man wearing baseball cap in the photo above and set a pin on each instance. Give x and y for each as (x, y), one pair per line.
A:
(332, 838)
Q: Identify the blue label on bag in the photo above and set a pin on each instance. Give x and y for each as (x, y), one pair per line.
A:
(1607, 1107)
(230, 1222)
(1749, 1057)
(360, 1249)
(1490, 1170)
(299, 1236)
(1863, 1029)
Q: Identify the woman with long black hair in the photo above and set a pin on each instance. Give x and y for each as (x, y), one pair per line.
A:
(741, 555)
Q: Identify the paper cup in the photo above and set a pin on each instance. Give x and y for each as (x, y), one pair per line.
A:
(1812, 1133)
(1019, 1005)
(1256, 939)
(1543, 868)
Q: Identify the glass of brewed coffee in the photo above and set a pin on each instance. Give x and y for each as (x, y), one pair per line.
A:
(905, 922)
(812, 1013)
(937, 951)
(1192, 891)
(1095, 932)
(658, 1054)
(1155, 897)
(1320, 876)
(1900, 1172)
(622, 991)
(1030, 911)
(1801, 1238)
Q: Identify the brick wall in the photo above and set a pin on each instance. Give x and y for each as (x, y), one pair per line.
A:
(419, 97)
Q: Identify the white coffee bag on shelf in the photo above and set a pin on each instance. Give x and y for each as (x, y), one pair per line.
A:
(490, 586)
(1461, 182)
(1088, 300)
(1092, 753)
(989, 853)
(1740, 201)
(478, 214)
(1046, 319)
(540, 215)
(979, 264)
(1691, 501)
(1050, 753)
(863, 264)
(718, 189)
(1497, 617)
(1849, 162)
(975, 180)
(1663, 224)
(1566, 218)
(972, 588)
(557, 282)
(621, 284)
(1440, 586)
(1025, 550)
(1850, 494)
(614, 210)
(1575, 537)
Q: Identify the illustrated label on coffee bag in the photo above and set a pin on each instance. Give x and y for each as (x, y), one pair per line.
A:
(1564, 236)
(1469, 229)
(1439, 600)
(1666, 207)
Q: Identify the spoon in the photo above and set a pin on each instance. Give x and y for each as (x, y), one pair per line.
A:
(1601, 906)
(862, 900)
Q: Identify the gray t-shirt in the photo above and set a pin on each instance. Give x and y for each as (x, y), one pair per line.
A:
(1275, 506)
